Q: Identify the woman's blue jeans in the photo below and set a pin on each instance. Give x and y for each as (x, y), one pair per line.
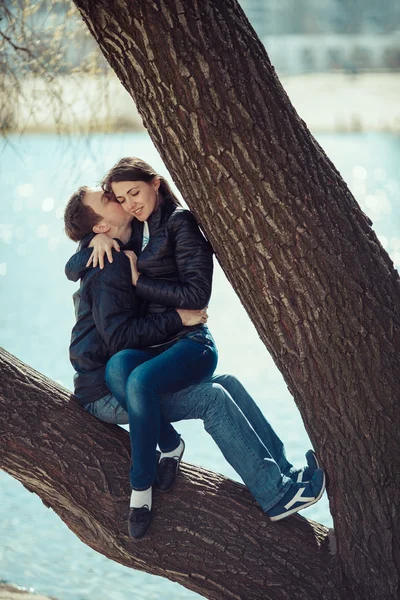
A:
(138, 378)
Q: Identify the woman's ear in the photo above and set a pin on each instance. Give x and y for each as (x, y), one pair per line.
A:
(101, 227)
(156, 183)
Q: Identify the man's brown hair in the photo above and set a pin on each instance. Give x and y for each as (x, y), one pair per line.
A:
(79, 218)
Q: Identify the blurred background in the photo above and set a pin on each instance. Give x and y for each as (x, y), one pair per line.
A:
(338, 59)
(65, 118)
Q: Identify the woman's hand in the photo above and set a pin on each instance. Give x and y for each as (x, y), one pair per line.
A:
(192, 317)
(101, 244)
(133, 260)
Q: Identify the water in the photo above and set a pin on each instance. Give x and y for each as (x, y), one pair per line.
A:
(37, 175)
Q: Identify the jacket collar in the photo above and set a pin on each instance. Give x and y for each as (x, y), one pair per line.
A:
(155, 222)
(130, 245)
(159, 216)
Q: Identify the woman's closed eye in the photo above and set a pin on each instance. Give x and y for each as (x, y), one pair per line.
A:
(121, 199)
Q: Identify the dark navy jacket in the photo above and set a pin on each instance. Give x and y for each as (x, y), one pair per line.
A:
(109, 320)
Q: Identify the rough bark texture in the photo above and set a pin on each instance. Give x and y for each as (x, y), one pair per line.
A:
(322, 292)
(208, 534)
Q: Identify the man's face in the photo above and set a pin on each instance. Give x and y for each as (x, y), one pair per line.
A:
(111, 212)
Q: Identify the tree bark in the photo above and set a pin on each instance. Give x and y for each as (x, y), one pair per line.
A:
(320, 289)
(208, 533)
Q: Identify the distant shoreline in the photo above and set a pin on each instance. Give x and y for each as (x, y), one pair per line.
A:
(327, 102)
(12, 592)
(342, 103)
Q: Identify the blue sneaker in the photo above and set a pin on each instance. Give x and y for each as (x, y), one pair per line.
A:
(306, 473)
(299, 496)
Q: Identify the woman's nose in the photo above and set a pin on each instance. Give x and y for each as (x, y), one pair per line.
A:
(131, 203)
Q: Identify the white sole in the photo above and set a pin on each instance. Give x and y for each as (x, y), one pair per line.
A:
(305, 505)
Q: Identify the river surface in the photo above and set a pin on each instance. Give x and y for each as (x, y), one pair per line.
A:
(37, 175)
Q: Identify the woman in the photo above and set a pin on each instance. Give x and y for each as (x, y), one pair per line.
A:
(173, 270)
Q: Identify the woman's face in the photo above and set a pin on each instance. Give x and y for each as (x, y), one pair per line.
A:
(138, 198)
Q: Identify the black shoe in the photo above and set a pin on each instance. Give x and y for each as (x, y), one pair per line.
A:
(139, 521)
(167, 470)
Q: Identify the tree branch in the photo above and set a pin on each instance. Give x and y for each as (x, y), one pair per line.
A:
(15, 46)
(208, 533)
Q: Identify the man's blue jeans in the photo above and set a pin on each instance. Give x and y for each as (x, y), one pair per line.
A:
(137, 378)
(237, 425)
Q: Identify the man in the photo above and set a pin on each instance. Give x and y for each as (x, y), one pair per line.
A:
(109, 319)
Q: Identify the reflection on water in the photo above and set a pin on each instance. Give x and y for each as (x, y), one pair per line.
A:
(37, 175)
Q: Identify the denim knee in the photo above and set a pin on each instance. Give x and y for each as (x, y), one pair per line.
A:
(139, 381)
(212, 405)
(114, 365)
(139, 396)
(227, 381)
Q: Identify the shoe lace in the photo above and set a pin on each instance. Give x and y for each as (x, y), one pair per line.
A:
(139, 515)
(167, 466)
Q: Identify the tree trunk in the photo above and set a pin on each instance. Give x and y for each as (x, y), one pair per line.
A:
(320, 289)
(209, 534)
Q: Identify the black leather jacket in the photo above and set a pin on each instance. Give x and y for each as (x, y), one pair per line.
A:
(109, 320)
(176, 266)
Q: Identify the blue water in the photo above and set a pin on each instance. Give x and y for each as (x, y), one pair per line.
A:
(37, 175)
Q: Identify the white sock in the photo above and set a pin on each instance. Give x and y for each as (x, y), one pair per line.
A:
(141, 497)
(176, 453)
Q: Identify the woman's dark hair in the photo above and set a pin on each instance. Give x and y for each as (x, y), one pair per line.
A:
(135, 169)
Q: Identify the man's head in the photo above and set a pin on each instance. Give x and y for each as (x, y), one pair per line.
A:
(90, 209)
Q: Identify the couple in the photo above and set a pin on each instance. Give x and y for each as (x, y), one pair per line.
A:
(143, 354)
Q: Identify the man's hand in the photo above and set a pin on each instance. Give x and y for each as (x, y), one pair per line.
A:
(133, 260)
(192, 317)
(101, 244)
